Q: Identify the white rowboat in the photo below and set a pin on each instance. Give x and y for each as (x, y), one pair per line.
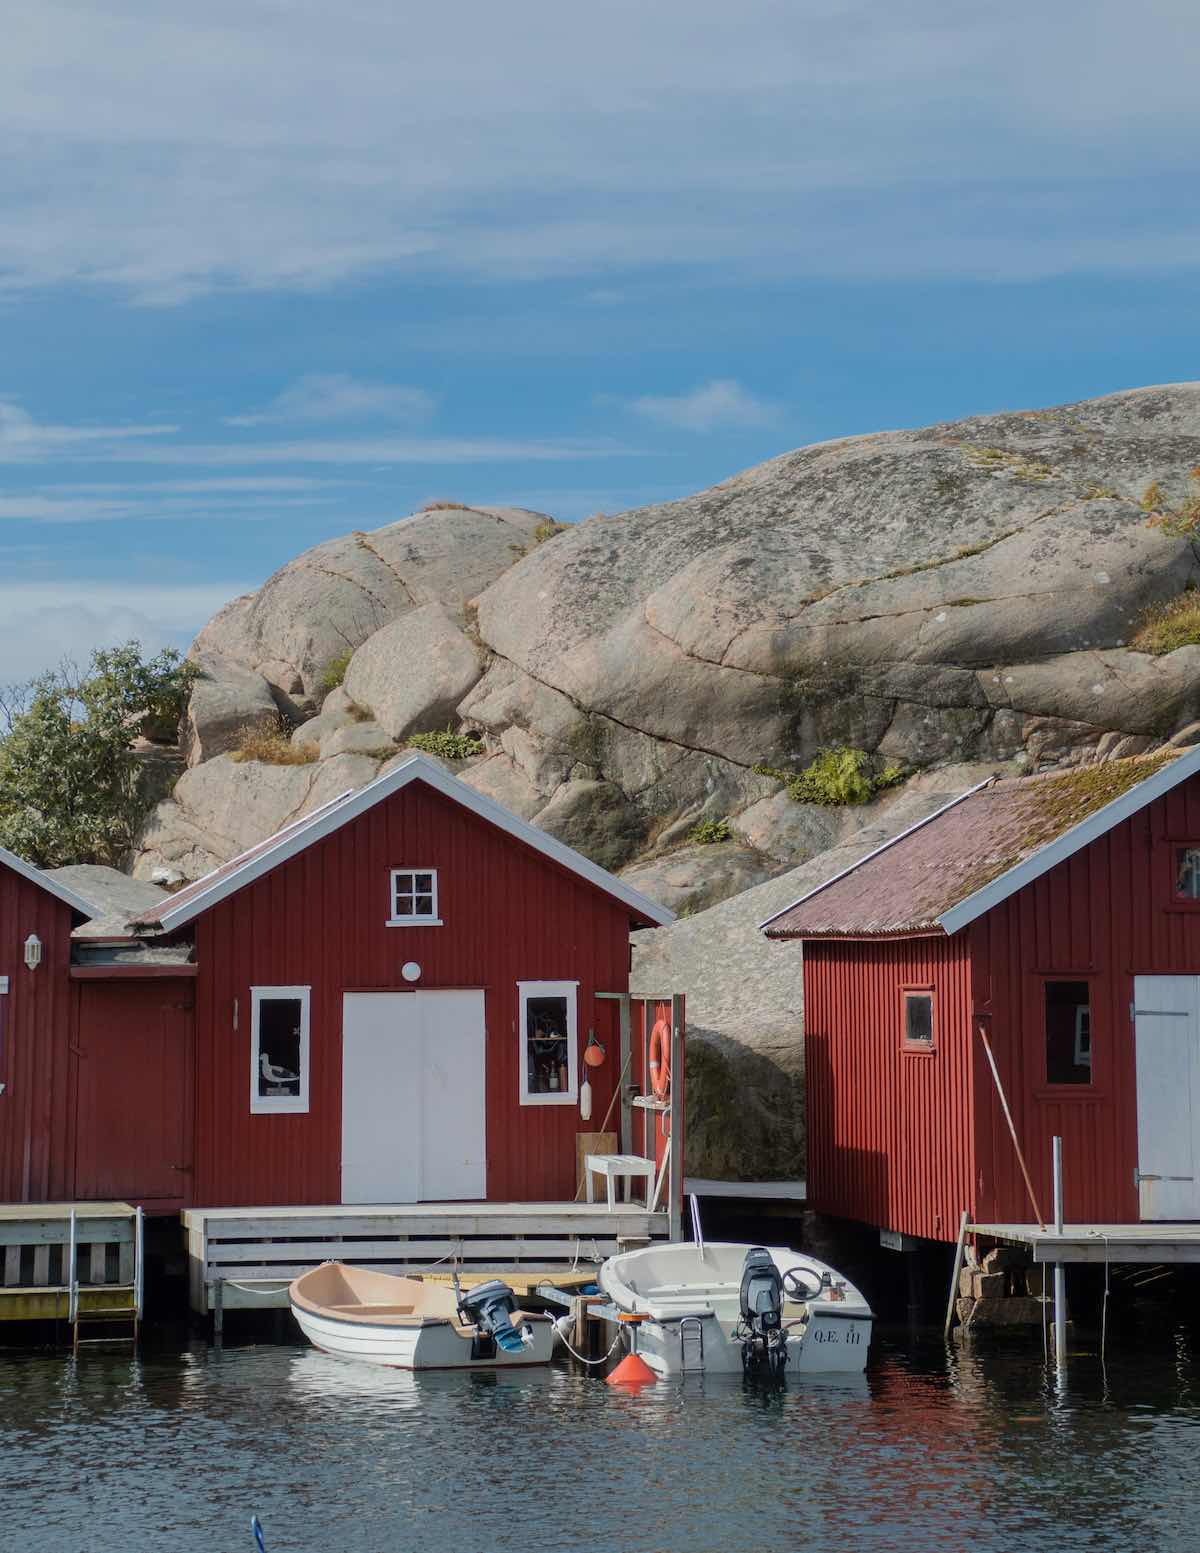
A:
(378, 1318)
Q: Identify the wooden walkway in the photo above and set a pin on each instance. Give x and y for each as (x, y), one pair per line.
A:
(244, 1258)
(1159, 1243)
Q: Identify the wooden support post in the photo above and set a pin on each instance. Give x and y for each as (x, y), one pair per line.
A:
(626, 1132)
(958, 1263)
(218, 1313)
(675, 1174)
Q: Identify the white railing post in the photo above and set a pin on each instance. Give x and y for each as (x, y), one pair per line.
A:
(1060, 1271)
(72, 1286)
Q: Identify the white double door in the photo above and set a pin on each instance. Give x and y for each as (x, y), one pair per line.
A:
(413, 1096)
(1167, 1038)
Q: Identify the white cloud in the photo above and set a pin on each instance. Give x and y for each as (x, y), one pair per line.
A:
(721, 404)
(334, 396)
(376, 451)
(42, 623)
(24, 440)
(289, 143)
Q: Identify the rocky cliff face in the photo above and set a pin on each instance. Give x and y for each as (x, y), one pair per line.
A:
(962, 592)
(955, 600)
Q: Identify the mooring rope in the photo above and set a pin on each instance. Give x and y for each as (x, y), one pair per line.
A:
(603, 1360)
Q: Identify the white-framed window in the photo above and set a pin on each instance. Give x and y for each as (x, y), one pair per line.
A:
(547, 1042)
(414, 898)
(278, 1049)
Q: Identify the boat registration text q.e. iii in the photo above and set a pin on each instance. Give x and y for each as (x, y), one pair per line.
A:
(723, 1306)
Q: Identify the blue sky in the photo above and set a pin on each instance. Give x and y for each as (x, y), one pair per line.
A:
(275, 269)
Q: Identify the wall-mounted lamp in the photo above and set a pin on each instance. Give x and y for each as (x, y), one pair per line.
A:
(33, 951)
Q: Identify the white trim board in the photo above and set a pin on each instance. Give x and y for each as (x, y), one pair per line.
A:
(417, 767)
(51, 886)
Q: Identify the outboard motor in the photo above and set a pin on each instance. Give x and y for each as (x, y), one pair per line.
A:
(489, 1308)
(764, 1342)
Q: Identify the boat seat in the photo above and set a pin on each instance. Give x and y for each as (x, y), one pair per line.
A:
(376, 1308)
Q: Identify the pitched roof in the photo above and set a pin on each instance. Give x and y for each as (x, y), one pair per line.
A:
(187, 903)
(51, 886)
(979, 849)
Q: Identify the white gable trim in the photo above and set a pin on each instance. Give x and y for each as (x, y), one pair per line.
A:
(1072, 841)
(883, 847)
(51, 886)
(417, 766)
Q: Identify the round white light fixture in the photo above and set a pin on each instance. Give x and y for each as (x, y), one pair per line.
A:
(411, 971)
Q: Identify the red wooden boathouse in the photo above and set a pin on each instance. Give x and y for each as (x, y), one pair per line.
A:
(387, 1002)
(1059, 915)
(37, 1015)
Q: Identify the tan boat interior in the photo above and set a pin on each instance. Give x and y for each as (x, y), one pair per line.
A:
(379, 1297)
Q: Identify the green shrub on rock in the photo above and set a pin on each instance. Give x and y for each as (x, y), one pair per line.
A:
(837, 777)
(448, 744)
(709, 832)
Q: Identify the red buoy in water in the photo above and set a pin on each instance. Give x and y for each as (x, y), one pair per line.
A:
(632, 1371)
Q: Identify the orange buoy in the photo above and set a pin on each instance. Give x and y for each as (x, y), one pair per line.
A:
(632, 1371)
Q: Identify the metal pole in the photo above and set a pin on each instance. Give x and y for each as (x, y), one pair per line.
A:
(1060, 1271)
(1011, 1128)
(958, 1264)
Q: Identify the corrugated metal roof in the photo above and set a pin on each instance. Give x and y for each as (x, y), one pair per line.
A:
(980, 849)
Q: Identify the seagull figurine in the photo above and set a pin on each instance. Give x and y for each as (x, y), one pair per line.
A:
(274, 1075)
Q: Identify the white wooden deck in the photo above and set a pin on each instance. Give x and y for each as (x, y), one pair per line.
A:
(1159, 1243)
(244, 1258)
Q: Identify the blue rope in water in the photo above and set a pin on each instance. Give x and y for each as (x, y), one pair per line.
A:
(256, 1528)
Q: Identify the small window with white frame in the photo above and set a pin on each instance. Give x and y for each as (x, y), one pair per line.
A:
(414, 898)
(547, 1042)
(918, 1032)
(278, 1049)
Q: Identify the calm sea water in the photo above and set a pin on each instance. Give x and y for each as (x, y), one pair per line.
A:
(929, 1451)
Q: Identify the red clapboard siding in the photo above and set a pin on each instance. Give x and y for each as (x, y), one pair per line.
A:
(319, 920)
(37, 1067)
(889, 1134)
(1107, 915)
(907, 1143)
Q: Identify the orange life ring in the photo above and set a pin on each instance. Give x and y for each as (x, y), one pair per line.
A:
(660, 1059)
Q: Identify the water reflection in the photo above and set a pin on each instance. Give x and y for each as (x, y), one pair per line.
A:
(931, 1450)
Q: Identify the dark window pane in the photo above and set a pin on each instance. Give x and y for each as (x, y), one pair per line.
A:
(279, 1022)
(546, 1069)
(1068, 1033)
(423, 906)
(1187, 873)
(424, 882)
(918, 1018)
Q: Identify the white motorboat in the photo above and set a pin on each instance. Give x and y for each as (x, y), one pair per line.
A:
(379, 1318)
(730, 1307)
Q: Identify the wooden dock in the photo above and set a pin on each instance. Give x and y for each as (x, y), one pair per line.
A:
(42, 1281)
(1114, 1243)
(244, 1258)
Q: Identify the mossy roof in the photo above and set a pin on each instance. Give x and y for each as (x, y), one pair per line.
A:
(985, 837)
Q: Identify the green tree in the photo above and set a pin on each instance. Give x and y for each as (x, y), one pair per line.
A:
(69, 776)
